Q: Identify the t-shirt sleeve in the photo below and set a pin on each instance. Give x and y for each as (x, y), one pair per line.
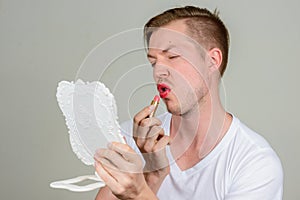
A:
(259, 176)
(126, 131)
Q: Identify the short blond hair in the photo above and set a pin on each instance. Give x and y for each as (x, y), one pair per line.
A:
(204, 26)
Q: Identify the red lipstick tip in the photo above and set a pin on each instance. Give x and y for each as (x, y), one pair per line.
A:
(156, 98)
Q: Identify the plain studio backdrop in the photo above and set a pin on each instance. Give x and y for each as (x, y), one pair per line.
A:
(43, 42)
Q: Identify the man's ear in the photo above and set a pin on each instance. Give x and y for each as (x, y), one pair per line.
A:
(215, 55)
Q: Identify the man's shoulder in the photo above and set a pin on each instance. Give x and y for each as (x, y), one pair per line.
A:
(246, 134)
(252, 149)
(252, 161)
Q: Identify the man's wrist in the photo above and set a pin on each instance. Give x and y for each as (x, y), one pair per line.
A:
(155, 179)
(147, 194)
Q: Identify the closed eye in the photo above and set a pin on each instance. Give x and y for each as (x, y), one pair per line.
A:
(173, 56)
(152, 64)
(152, 61)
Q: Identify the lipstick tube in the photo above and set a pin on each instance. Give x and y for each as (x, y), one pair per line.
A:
(154, 102)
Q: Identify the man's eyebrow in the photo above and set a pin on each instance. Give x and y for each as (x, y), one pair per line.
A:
(150, 56)
(168, 49)
(164, 51)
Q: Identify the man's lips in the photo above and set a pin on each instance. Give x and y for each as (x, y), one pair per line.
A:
(163, 90)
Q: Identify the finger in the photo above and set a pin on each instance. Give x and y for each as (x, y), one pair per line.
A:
(128, 154)
(107, 164)
(144, 113)
(144, 125)
(162, 143)
(102, 153)
(118, 175)
(142, 131)
(155, 132)
(112, 159)
(152, 138)
(120, 147)
(148, 122)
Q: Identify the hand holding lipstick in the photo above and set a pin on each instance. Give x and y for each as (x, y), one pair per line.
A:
(152, 141)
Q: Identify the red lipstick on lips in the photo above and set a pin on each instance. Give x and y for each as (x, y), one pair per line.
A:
(163, 90)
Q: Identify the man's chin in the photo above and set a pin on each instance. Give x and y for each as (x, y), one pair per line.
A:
(174, 111)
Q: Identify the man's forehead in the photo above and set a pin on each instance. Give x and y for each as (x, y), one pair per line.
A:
(164, 39)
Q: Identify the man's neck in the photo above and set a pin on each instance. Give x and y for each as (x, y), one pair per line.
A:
(197, 133)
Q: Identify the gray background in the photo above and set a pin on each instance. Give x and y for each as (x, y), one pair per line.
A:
(43, 42)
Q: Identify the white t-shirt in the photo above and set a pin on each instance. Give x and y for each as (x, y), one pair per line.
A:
(242, 166)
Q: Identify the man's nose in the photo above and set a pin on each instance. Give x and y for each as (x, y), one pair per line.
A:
(160, 71)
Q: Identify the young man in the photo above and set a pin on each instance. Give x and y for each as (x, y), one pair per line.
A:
(197, 150)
